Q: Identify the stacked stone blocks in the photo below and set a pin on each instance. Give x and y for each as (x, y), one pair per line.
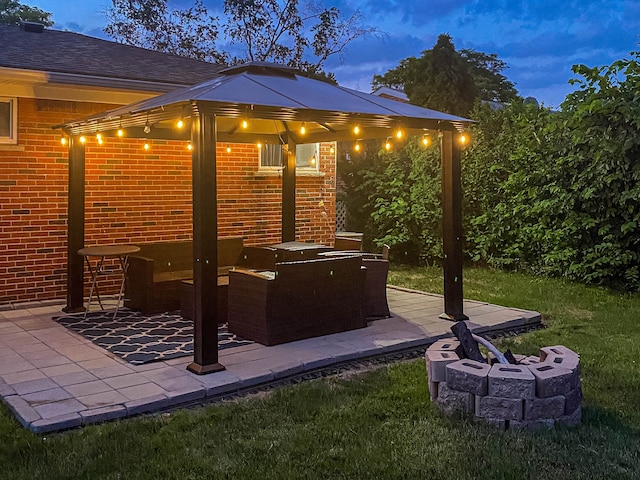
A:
(538, 392)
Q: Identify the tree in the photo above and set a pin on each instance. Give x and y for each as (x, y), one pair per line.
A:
(447, 80)
(485, 69)
(190, 32)
(254, 30)
(13, 12)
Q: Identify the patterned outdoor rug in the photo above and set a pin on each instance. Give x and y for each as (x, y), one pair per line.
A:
(139, 338)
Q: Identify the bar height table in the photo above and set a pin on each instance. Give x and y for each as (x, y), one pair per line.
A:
(102, 252)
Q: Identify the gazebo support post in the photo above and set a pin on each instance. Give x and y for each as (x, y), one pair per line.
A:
(452, 228)
(205, 244)
(75, 227)
(289, 193)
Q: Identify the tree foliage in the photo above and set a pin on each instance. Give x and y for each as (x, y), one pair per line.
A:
(189, 32)
(248, 30)
(13, 12)
(570, 203)
(554, 193)
(490, 83)
(450, 81)
(508, 183)
(395, 197)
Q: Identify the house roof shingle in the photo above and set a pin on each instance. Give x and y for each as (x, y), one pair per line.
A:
(73, 53)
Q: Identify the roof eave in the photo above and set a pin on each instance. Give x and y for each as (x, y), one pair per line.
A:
(32, 77)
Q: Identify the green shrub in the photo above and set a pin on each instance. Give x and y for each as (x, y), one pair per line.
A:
(554, 193)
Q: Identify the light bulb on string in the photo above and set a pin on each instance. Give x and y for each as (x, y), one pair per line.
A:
(357, 129)
(99, 138)
(189, 146)
(426, 140)
(146, 146)
(303, 129)
(83, 140)
(228, 149)
(387, 145)
(357, 147)
(244, 123)
(63, 140)
(180, 123)
(399, 134)
(120, 133)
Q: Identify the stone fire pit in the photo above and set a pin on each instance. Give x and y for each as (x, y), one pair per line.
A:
(536, 392)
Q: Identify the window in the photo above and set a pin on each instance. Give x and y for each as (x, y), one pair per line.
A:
(307, 155)
(8, 120)
(271, 156)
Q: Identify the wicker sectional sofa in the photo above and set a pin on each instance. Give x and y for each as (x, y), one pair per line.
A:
(297, 300)
(157, 270)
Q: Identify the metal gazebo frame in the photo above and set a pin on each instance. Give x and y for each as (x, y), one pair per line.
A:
(275, 101)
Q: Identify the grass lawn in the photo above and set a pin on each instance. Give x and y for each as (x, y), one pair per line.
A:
(380, 424)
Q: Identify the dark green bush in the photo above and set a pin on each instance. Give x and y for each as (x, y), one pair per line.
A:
(554, 193)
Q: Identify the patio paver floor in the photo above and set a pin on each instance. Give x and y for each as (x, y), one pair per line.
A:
(53, 379)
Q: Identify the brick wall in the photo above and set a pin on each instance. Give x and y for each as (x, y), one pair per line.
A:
(132, 196)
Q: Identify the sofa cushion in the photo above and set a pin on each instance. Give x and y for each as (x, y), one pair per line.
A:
(172, 276)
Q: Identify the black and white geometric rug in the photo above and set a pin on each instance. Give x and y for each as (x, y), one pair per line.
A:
(139, 338)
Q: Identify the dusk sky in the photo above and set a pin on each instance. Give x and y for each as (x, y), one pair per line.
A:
(539, 39)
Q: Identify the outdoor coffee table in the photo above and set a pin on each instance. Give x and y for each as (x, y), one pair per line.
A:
(292, 251)
(101, 253)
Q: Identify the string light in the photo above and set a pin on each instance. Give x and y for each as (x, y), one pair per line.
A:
(120, 133)
(387, 145)
(189, 147)
(244, 123)
(463, 139)
(426, 140)
(303, 129)
(356, 147)
(357, 129)
(332, 150)
(63, 140)
(399, 134)
(146, 146)
(83, 140)
(229, 149)
(99, 138)
(180, 123)
(259, 145)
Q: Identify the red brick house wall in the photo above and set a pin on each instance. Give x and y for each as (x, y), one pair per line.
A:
(132, 196)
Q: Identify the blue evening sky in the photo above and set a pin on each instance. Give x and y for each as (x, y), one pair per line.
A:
(539, 39)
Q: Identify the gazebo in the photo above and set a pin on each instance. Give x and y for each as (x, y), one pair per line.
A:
(270, 104)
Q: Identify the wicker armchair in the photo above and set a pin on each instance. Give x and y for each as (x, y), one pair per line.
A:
(375, 287)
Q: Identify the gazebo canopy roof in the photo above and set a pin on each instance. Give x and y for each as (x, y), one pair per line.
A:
(275, 101)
